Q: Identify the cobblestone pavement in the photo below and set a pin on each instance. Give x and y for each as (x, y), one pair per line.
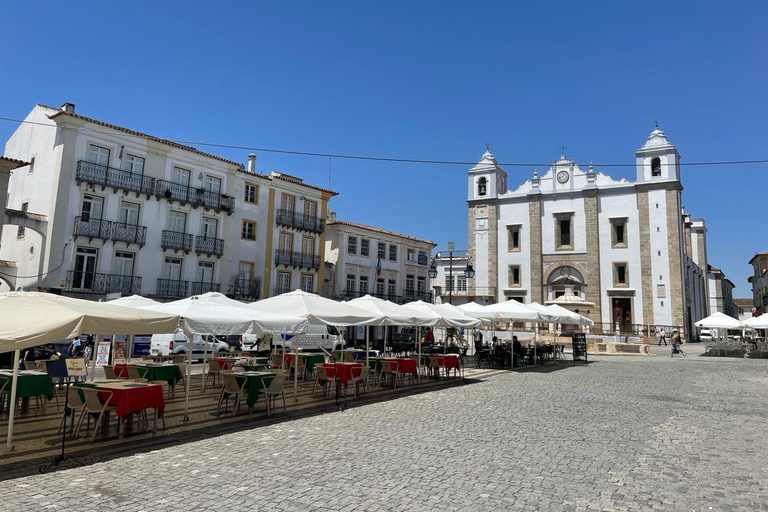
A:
(624, 433)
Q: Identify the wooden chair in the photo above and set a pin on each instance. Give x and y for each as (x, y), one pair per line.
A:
(232, 387)
(273, 391)
(94, 406)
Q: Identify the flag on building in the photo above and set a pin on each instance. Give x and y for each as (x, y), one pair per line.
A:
(378, 268)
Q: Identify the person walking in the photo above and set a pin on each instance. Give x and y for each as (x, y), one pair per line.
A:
(662, 337)
(675, 339)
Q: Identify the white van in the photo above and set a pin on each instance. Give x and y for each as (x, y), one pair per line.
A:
(326, 336)
(178, 343)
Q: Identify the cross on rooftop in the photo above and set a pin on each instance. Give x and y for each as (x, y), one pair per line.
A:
(656, 123)
(562, 150)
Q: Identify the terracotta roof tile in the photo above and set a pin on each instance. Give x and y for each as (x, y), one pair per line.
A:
(743, 302)
(20, 163)
(139, 134)
(378, 230)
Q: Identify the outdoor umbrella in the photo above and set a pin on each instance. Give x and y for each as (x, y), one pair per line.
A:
(393, 314)
(719, 321)
(28, 319)
(210, 315)
(757, 322)
(132, 301)
(317, 310)
(575, 318)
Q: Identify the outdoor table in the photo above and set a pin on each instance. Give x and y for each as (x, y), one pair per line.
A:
(226, 363)
(407, 365)
(171, 373)
(29, 383)
(130, 397)
(343, 371)
(256, 382)
(357, 354)
(159, 358)
(447, 361)
(310, 360)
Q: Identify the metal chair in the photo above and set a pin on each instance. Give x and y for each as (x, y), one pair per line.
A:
(232, 387)
(361, 379)
(74, 404)
(214, 371)
(273, 391)
(94, 406)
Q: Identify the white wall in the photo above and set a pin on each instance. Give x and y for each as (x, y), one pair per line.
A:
(511, 213)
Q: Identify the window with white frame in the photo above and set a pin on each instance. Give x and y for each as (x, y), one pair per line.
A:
(363, 285)
(365, 247)
(251, 193)
(308, 283)
(461, 284)
(350, 283)
(134, 164)
(382, 250)
(392, 252)
(98, 155)
(283, 282)
(352, 245)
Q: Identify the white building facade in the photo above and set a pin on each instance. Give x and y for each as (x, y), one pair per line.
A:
(759, 282)
(627, 248)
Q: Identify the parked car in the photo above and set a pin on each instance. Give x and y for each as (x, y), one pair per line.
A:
(326, 336)
(178, 343)
(707, 335)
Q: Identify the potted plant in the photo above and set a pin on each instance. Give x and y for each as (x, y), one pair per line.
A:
(168, 193)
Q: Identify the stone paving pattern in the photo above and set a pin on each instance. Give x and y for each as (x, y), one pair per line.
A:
(624, 433)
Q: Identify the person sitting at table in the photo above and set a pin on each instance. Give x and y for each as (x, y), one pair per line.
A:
(517, 350)
(495, 342)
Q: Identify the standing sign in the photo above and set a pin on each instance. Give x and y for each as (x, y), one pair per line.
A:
(141, 345)
(121, 352)
(579, 341)
(102, 353)
(76, 367)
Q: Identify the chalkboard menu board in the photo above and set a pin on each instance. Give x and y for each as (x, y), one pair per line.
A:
(579, 340)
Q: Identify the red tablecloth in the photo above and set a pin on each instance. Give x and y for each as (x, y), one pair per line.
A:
(448, 360)
(344, 370)
(408, 366)
(131, 400)
(226, 363)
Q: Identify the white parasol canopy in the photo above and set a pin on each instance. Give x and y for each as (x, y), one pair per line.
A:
(757, 322)
(28, 319)
(511, 311)
(133, 301)
(316, 309)
(570, 317)
(210, 314)
(719, 321)
(449, 316)
(394, 314)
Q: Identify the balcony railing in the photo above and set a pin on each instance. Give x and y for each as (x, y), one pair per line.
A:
(92, 228)
(210, 246)
(412, 295)
(199, 287)
(246, 289)
(471, 291)
(296, 259)
(292, 219)
(81, 281)
(172, 288)
(176, 240)
(127, 285)
(129, 233)
(98, 174)
(195, 196)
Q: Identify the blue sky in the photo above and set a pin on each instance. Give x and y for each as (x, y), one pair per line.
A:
(424, 80)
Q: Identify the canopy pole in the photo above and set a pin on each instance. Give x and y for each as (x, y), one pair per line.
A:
(367, 361)
(12, 412)
(205, 346)
(191, 337)
(130, 349)
(295, 368)
(94, 350)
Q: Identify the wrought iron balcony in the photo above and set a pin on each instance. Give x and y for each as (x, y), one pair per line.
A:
(296, 259)
(129, 233)
(176, 241)
(81, 281)
(283, 257)
(199, 287)
(172, 288)
(209, 246)
(246, 288)
(92, 228)
(98, 174)
(194, 196)
(411, 296)
(290, 218)
(352, 294)
(127, 285)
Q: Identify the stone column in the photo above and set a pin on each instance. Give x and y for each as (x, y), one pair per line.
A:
(677, 301)
(493, 247)
(593, 292)
(646, 271)
(534, 221)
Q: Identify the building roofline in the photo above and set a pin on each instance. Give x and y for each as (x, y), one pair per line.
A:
(378, 230)
(764, 253)
(299, 181)
(295, 181)
(15, 161)
(60, 113)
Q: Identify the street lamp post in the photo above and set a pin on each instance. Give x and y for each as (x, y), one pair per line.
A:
(451, 247)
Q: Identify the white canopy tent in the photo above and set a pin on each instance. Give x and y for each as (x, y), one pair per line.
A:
(757, 322)
(576, 319)
(209, 314)
(719, 321)
(28, 319)
(133, 301)
(394, 314)
(317, 310)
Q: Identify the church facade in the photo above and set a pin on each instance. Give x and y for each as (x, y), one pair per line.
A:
(623, 253)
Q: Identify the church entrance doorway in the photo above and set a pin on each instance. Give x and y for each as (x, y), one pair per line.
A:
(622, 314)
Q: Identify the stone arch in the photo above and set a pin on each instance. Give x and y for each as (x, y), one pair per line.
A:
(554, 280)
